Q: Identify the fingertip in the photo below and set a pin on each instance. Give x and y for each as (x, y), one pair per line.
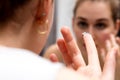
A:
(53, 58)
(86, 34)
(64, 28)
(66, 34)
(60, 41)
(88, 39)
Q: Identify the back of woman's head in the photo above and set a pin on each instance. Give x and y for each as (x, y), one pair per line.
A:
(8, 8)
(114, 6)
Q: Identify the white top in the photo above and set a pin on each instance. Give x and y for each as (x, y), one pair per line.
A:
(20, 64)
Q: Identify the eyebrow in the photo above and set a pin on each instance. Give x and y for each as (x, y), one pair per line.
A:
(99, 20)
(81, 18)
(102, 19)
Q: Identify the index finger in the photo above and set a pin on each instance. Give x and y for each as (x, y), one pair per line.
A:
(73, 48)
(91, 50)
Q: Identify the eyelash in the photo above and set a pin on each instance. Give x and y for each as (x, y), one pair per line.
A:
(84, 25)
(101, 25)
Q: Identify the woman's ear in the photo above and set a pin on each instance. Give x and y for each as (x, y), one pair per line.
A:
(43, 17)
(41, 12)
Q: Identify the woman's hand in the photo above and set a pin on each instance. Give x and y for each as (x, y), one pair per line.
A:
(115, 42)
(74, 60)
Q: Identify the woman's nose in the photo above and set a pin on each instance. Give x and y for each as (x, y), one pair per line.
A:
(90, 30)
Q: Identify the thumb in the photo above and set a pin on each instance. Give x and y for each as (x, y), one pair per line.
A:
(53, 58)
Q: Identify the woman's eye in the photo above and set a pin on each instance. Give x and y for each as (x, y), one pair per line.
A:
(82, 25)
(101, 26)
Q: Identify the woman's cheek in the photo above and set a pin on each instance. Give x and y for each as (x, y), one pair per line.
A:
(78, 33)
(105, 37)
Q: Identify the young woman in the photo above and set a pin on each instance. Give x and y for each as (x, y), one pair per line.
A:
(100, 19)
(24, 28)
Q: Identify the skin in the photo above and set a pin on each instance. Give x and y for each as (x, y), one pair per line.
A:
(73, 57)
(28, 36)
(30, 39)
(99, 24)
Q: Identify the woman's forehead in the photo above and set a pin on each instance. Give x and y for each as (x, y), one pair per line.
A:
(94, 6)
(91, 9)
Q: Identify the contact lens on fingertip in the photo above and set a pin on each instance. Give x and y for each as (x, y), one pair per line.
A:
(85, 33)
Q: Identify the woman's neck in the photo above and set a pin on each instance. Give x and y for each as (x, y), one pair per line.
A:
(12, 36)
